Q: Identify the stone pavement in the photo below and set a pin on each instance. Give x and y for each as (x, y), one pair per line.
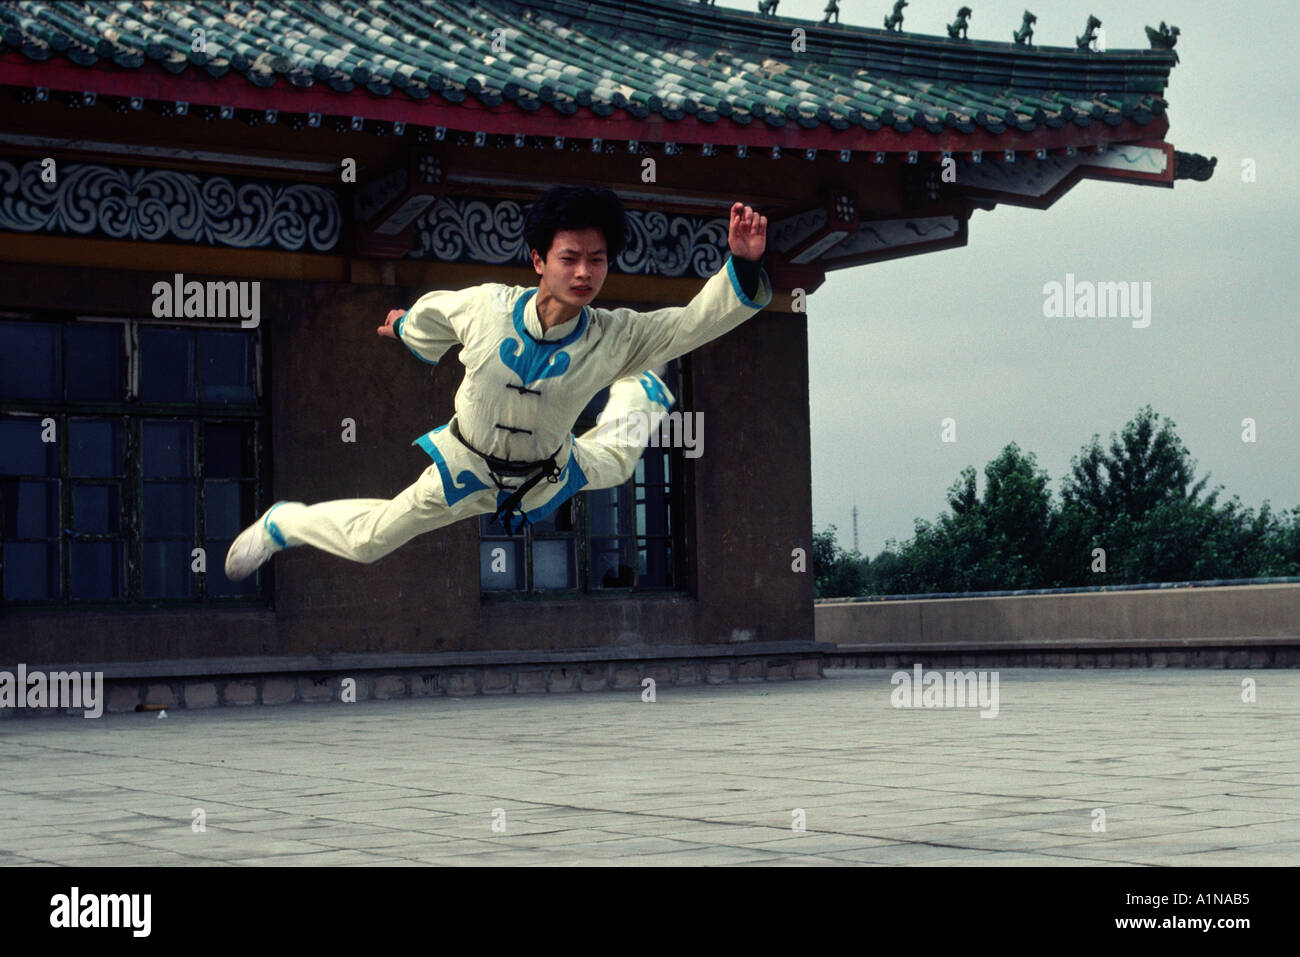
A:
(1185, 771)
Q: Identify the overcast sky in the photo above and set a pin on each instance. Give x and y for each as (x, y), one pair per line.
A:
(896, 347)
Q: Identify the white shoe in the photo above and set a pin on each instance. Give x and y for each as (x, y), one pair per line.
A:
(253, 548)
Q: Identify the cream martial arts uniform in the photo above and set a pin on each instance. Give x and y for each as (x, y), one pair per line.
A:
(522, 392)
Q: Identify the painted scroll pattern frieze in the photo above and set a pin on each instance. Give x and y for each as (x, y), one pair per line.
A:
(459, 229)
(159, 205)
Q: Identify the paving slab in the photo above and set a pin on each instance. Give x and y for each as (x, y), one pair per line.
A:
(1186, 772)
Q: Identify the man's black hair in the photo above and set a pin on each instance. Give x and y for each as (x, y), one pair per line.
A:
(575, 207)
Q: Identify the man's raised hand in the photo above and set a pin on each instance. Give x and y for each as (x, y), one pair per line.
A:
(747, 234)
(389, 329)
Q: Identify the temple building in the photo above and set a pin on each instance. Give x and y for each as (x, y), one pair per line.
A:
(207, 209)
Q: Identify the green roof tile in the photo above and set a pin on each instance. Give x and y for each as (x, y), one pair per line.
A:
(675, 58)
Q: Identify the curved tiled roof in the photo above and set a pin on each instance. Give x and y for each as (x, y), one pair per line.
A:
(652, 57)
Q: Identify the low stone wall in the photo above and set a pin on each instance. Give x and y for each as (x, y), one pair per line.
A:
(1232, 626)
(1207, 657)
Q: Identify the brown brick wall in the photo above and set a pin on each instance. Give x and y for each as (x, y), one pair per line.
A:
(752, 502)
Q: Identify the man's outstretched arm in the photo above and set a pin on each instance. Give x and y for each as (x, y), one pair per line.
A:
(739, 290)
(433, 325)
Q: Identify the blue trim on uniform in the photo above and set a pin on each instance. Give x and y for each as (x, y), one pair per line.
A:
(655, 389)
(523, 329)
(451, 492)
(277, 536)
(534, 359)
(397, 328)
(740, 293)
(575, 482)
(572, 485)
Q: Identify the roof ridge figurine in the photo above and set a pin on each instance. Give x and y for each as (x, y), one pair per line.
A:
(895, 20)
(1025, 35)
(1089, 34)
(1164, 38)
(957, 29)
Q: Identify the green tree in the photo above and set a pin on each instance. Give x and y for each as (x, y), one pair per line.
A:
(1137, 498)
(1285, 559)
(1139, 501)
(836, 573)
(987, 544)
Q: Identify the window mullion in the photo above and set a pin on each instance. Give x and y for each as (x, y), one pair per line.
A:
(132, 479)
(200, 500)
(133, 489)
(581, 542)
(627, 520)
(528, 558)
(683, 540)
(65, 509)
(66, 524)
(133, 362)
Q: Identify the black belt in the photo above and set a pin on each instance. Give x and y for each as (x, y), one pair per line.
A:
(547, 469)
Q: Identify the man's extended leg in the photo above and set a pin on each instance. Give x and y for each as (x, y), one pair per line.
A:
(367, 529)
(360, 529)
(608, 453)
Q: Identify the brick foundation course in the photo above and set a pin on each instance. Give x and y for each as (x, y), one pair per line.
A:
(623, 676)
(317, 688)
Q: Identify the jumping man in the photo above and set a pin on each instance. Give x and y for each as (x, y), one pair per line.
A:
(533, 357)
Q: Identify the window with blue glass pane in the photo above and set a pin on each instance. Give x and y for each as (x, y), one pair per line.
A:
(23, 446)
(612, 526)
(31, 509)
(31, 571)
(226, 368)
(228, 450)
(168, 572)
(169, 510)
(95, 447)
(124, 497)
(95, 359)
(167, 372)
(224, 513)
(554, 550)
(228, 498)
(31, 534)
(31, 362)
(501, 557)
(96, 509)
(168, 448)
(98, 570)
(553, 564)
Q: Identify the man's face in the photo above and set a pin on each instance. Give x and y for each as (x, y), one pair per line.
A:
(575, 266)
